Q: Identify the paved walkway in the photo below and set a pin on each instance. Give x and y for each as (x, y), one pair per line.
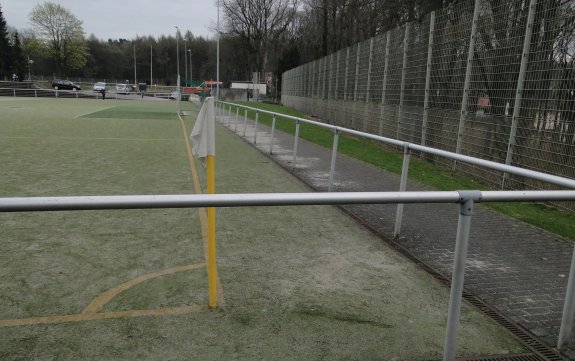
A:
(519, 270)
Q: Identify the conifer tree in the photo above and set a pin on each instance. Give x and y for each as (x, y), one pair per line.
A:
(5, 49)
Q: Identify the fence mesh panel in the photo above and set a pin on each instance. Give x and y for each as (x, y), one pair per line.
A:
(410, 84)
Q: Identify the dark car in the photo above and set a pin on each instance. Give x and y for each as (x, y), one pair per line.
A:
(64, 85)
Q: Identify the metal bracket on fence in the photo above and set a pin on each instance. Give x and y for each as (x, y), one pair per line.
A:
(465, 196)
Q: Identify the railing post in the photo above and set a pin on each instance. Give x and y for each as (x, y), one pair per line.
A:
(427, 79)
(236, 123)
(402, 187)
(256, 127)
(403, 75)
(295, 144)
(245, 120)
(333, 159)
(466, 202)
(520, 85)
(367, 86)
(465, 97)
(272, 135)
(568, 307)
(384, 86)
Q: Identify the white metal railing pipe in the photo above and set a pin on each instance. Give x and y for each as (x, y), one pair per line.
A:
(544, 177)
(28, 204)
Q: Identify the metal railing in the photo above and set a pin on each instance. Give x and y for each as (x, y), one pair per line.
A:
(569, 310)
(465, 199)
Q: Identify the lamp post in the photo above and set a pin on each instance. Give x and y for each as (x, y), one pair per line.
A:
(151, 66)
(177, 49)
(135, 75)
(30, 62)
(218, 57)
(190, 52)
(186, 59)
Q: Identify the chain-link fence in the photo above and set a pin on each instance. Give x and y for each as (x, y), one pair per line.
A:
(493, 79)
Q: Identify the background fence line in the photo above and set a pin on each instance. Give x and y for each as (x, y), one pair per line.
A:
(489, 79)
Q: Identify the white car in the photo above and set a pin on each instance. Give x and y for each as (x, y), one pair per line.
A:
(99, 87)
(123, 88)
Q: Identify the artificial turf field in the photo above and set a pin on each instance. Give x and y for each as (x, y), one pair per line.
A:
(296, 282)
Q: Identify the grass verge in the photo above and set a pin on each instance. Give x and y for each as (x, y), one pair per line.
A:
(541, 215)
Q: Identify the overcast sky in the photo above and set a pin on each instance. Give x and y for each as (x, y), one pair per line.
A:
(115, 19)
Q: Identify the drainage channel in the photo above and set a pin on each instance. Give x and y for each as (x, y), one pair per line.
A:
(539, 351)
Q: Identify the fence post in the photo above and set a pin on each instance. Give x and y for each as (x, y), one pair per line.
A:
(345, 76)
(333, 159)
(403, 74)
(273, 131)
(568, 307)
(295, 144)
(402, 187)
(355, 86)
(384, 86)
(367, 86)
(256, 127)
(427, 79)
(520, 85)
(329, 87)
(466, 201)
(464, 99)
(335, 94)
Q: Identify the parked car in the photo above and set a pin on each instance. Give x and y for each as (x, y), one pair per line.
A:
(123, 88)
(99, 87)
(64, 85)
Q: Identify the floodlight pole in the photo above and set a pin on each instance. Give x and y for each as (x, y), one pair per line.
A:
(135, 76)
(218, 56)
(190, 52)
(151, 66)
(186, 59)
(177, 50)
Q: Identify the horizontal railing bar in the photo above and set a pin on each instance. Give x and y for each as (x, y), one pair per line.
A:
(31, 204)
(545, 177)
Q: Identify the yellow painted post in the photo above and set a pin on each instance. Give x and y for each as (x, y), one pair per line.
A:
(212, 269)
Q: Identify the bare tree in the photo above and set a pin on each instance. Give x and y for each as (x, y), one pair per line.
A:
(63, 34)
(260, 24)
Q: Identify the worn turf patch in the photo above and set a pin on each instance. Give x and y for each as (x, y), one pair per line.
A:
(124, 112)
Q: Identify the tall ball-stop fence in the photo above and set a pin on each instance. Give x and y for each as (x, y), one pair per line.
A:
(489, 79)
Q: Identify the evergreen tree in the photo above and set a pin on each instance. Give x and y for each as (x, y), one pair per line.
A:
(5, 50)
(18, 59)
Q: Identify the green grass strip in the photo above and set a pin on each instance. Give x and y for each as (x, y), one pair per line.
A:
(541, 215)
